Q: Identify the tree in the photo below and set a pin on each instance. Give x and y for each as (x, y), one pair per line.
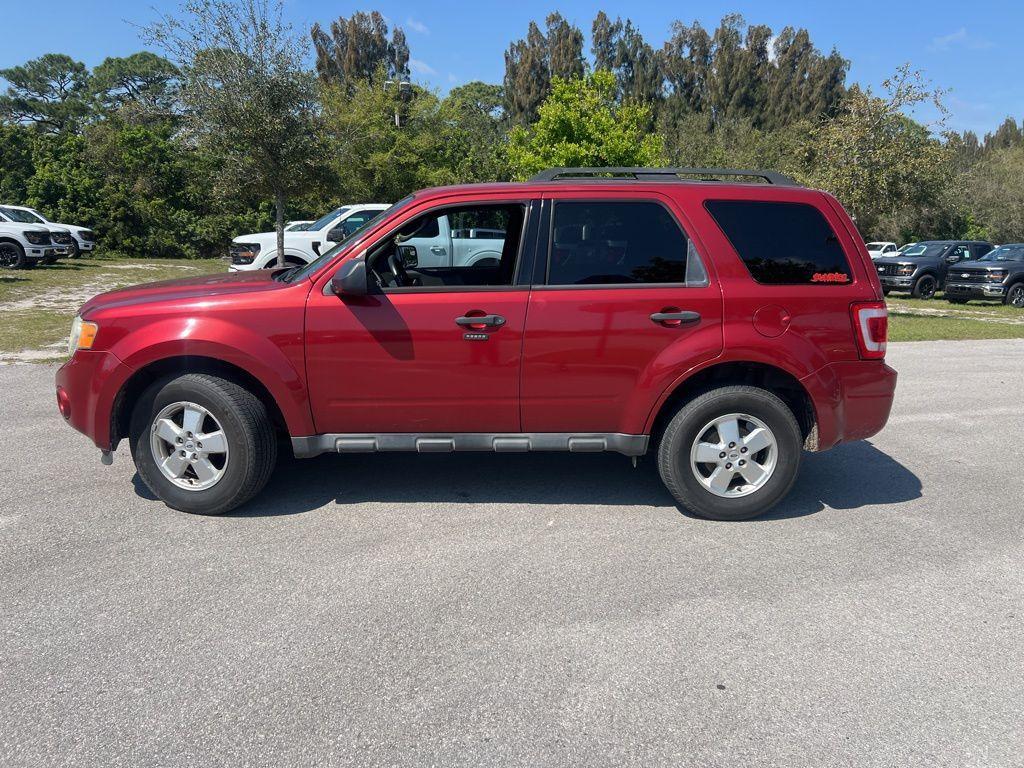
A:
(877, 161)
(142, 81)
(582, 124)
(357, 48)
(16, 161)
(620, 48)
(995, 194)
(531, 63)
(247, 96)
(48, 92)
(475, 126)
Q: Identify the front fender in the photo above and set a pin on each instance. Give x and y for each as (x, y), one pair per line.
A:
(274, 359)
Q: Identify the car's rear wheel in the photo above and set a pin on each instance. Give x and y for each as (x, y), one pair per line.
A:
(1015, 296)
(925, 287)
(75, 250)
(12, 256)
(731, 453)
(202, 444)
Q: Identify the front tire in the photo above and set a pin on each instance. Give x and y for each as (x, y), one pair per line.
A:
(12, 256)
(1015, 296)
(925, 287)
(701, 450)
(169, 425)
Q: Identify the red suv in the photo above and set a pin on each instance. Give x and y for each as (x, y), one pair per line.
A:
(724, 326)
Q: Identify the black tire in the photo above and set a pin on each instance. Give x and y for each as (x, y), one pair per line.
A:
(886, 291)
(1015, 296)
(250, 436)
(683, 430)
(75, 250)
(956, 301)
(925, 288)
(12, 256)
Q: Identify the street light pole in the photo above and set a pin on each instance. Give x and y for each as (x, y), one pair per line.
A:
(404, 87)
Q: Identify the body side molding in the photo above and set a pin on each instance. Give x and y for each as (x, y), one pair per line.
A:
(509, 442)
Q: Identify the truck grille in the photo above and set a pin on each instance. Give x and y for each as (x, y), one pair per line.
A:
(887, 269)
(61, 238)
(968, 276)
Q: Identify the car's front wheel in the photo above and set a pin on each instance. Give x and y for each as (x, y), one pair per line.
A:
(731, 453)
(925, 287)
(12, 256)
(1015, 296)
(201, 443)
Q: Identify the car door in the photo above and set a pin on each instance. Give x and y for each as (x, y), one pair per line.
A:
(622, 305)
(437, 351)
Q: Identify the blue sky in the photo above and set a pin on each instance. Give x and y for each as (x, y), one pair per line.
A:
(972, 49)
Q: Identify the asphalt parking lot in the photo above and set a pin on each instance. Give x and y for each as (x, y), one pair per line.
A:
(526, 610)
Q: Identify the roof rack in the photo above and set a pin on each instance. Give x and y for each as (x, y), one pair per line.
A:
(658, 174)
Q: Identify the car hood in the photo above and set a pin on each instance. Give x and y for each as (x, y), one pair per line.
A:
(269, 239)
(185, 289)
(900, 260)
(986, 265)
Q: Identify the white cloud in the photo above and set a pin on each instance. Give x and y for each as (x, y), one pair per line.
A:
(421, 67)
(417, 26)
(960, 39)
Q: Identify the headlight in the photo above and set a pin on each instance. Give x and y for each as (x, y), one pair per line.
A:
(905, 269)
(83, 334)
(244, 253)
(38, 238)
(997, 275)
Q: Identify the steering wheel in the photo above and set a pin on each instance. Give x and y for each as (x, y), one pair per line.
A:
(398, 269)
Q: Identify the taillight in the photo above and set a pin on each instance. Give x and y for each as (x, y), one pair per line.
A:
(871, 327)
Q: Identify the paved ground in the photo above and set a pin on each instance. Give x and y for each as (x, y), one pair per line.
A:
(526, 610)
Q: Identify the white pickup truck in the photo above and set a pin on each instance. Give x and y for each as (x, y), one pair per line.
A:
(81, 240)
(439, 244)
(258, 251)
(25, 245)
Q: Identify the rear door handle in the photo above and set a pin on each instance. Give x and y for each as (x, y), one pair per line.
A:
(673, 318)
(481, 321)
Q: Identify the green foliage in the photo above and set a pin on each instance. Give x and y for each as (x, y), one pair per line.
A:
(883, 166)
(582, 124)
(48, 92)
(142, 82)
(357, 49)
(995, 193)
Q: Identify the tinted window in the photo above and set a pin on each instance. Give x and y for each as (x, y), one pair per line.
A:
(596, 243)
(782, 243)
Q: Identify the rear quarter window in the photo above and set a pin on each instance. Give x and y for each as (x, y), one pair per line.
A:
(782, 243)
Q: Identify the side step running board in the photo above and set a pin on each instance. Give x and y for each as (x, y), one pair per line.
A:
(629, 445)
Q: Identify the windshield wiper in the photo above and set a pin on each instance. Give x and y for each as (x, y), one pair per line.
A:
(282, 276)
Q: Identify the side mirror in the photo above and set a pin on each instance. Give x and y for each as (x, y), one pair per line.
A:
(953, 258)
(350, 279)
(338, 233)
(409, 257)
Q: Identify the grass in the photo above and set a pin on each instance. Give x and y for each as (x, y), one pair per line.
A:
(39, 304)
(940, 328)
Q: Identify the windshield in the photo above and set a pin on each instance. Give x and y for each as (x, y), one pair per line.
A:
(1012, 252)
(16, 214)
(918, 250)
(323, 221)
(876, 246)
(315, 265)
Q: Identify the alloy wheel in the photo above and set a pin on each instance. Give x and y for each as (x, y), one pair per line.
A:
(734, 455)
(8, 256)
(189, 446)
(1017, 296)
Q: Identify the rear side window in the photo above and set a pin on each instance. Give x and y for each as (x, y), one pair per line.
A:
(610, 243)
(782, 243)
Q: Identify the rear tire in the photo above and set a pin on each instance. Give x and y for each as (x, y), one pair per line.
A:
(247, 435)
(12, 256)
(925, 288)
(691, 481)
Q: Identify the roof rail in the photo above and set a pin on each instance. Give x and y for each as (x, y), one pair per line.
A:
(658, 174)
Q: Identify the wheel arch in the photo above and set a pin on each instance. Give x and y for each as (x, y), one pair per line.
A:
(764, 375)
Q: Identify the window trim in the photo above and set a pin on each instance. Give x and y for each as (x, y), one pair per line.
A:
(850, 271)
(524, 254)
(544, 278)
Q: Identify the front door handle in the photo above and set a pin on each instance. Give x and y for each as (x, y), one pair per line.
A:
(673, 318)
(479, 322)
(437, 249)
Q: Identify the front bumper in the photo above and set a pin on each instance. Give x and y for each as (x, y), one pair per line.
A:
(896, 283)
(976, 290)
(87, 386)
(40, 252)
